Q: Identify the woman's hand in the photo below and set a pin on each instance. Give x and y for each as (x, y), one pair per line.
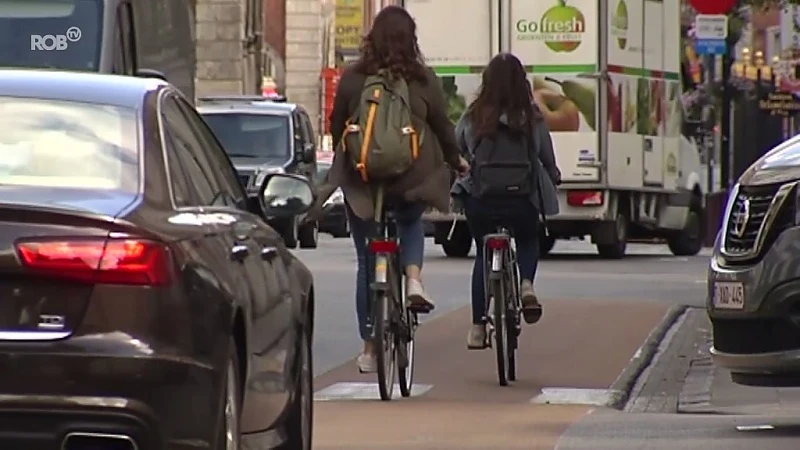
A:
(463, 166)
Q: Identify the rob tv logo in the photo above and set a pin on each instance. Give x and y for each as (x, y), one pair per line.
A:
(58, 42)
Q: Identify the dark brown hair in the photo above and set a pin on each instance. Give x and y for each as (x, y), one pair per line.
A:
(392, 45)
(504, 90)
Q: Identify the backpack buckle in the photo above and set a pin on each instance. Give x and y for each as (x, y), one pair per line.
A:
(408, 130)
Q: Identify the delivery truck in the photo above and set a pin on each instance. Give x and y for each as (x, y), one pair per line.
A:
(606, 76)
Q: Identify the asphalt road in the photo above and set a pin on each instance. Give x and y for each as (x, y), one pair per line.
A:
(597, 315)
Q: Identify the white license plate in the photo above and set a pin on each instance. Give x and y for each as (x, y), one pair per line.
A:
(728, 295)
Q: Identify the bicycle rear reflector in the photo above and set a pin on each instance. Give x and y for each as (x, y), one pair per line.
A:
(497, 243)
(383, 246)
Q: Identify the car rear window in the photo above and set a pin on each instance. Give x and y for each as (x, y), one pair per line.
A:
(251, 135)
(51, 143)
(60, 34)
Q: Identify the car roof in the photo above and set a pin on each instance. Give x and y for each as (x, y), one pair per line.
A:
(244, 104)
(115, 90)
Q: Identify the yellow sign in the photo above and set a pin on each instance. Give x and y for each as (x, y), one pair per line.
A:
(349, 24)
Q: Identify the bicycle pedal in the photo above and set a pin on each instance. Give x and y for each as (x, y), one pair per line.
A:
(419, 309)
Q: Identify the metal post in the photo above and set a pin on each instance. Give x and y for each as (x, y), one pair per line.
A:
(725, 118)
(707, 125)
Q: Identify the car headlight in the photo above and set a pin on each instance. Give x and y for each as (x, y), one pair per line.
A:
(337, 198)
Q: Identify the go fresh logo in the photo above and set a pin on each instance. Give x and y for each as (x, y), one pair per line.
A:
(619, 24)
(561, 28)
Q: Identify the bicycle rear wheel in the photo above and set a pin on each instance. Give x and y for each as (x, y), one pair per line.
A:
(500, 326)
(385, 343)
(513, 328)
(405, 344)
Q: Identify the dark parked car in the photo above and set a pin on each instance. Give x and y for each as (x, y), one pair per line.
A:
(334, 219)
(262, 136)
(753, 282)
(145, 303)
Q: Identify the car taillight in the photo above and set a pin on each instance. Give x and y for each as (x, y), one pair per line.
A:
(497, 243)
(383, 246)
(585, 198)
(99, 261)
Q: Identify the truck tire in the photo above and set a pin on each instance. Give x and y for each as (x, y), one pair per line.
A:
(461, 242)
(308, 235)
(341, 230)
(289, 232)
(689, 241)
(616, 249)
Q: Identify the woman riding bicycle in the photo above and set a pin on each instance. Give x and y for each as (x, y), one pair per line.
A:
(504, 119)
(391, 45)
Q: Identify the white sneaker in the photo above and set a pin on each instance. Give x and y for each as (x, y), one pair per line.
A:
(476, 339)
(367, 363)
(416, 295)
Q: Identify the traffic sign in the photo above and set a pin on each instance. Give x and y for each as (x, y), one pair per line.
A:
(710, 46)
(711, 26)
(713, 6)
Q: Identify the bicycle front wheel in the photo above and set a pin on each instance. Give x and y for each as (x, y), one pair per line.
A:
(498, 299)
(385, 343)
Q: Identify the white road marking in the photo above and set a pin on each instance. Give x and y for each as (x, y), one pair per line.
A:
(363, 391)
(574, 396)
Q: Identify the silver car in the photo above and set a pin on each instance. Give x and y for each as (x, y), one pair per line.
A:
(754, 274)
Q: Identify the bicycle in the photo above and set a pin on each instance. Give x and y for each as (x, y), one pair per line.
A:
(393, 323)
(501, 284)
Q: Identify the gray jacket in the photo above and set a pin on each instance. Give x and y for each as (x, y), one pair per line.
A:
(548, 170)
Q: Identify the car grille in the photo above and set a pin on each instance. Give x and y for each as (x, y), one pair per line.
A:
(744, 225)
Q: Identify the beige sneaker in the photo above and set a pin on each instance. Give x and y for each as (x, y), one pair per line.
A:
(476, 339)
(417, 297)
(367, 363)
(531, 308)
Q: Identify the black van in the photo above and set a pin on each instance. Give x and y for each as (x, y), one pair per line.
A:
(126, 37)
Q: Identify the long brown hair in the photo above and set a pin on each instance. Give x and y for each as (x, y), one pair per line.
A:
(392, 45)
(504, 91)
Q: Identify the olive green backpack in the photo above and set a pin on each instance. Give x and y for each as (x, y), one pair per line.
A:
(380, 138)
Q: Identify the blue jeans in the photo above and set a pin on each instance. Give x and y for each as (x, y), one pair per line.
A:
(412, 248)
(523, 220)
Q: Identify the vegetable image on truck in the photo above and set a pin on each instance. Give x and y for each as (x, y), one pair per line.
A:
(614, 112)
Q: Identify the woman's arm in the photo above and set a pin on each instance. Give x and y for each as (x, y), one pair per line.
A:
(461, 136)
(440, 123)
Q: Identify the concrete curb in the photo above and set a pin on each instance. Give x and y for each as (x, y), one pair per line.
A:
(625, 382)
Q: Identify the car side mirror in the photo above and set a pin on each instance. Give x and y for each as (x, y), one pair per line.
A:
(308, 154)
(151, 73)
(285, 195)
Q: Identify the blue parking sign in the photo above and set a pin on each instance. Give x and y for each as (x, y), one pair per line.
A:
(710, 46)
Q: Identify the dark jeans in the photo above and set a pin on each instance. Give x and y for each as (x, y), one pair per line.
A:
(483, 218)
(412, 247)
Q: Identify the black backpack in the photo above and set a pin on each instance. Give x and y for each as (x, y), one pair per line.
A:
(502, 168)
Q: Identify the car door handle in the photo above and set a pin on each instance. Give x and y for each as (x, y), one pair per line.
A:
(267, 253)
(239, 252)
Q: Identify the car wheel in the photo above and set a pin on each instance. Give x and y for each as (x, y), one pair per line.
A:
(300, 420)
(229, 429)
(309, 235)
(290, 233)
